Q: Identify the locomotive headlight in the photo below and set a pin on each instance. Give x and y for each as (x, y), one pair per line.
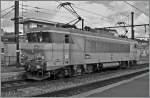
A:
(43, 57)
(22, 56)
(38, 66)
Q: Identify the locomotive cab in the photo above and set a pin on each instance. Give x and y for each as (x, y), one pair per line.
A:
(44, 51)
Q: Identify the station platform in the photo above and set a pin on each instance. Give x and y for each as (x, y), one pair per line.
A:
(7, 69)
(135, 87)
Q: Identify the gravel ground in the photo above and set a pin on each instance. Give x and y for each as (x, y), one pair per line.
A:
(7, 69)
(88, 87)
(55, 85)
(11, 76)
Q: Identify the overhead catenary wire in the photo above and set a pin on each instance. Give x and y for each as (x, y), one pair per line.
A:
(37, 12)
(2, 16)
(48, 9)
(42, 12)
(107, 18)
(135, 7)
(93, 13)
(7, 8)
(33, 7)
(145, 29)
(104, 18)
(39, 8)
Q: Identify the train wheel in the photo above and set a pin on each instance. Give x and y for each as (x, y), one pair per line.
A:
(120, 64)
(79, 70)
(95, 68)
(53, 74)
(134, 62)
(124, 64)
(130, 63)
(24, 76)
(61, 73)
(89, 68)
(99, 67)
(70, 71)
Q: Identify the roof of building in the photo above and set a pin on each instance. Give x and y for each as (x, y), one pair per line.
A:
(27, 20)
(142, 41)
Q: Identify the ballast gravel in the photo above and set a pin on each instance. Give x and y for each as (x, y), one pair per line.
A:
(56, 85)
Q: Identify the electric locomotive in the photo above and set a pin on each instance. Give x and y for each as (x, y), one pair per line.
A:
(59, 52)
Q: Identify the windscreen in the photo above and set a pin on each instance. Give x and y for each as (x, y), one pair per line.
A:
(39, 37)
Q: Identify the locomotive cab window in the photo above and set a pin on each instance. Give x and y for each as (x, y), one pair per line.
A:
(40, 37)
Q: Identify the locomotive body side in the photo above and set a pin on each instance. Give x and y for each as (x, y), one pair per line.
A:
(90, 49)
(64, 51)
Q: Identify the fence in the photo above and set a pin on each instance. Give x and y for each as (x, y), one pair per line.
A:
(8, 60)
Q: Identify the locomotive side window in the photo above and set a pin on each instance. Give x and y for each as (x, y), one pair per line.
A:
(44, 37)
(66, 38)
(32, 37)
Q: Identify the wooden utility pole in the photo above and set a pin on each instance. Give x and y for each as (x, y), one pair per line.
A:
(16, 23)
(132, 25)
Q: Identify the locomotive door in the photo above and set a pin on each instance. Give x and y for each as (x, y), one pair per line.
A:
(61, 49)
(66, 49)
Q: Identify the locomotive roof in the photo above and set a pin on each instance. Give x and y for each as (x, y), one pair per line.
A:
(78, 31)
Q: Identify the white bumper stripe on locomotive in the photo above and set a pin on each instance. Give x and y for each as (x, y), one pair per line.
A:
(106, 65)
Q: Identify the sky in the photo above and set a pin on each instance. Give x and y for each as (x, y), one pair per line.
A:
(97, 14)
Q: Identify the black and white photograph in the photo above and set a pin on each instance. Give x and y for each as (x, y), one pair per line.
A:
(68, 48)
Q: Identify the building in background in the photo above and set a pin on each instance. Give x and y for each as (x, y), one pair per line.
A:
(8, 47)
(30, 23)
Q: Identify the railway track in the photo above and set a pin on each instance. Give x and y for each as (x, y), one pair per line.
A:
(12, 85)
(15, 85)
(84, 88)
